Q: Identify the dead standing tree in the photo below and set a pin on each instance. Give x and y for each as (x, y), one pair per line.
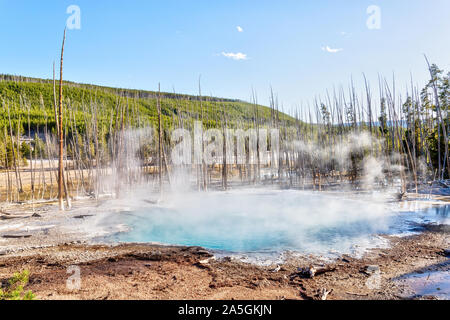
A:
(59, 121)
(159, 140)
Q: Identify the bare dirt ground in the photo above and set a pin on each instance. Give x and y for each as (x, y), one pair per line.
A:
(159, 272)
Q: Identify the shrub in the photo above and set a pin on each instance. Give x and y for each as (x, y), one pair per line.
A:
(14, 289)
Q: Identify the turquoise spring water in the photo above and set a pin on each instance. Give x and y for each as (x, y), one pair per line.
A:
(270, 221)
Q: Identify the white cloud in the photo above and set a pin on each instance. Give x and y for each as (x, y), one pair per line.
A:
(235, 56)
(239, 29)
(330, 50)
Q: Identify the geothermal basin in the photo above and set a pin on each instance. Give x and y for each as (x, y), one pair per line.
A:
(269, 223)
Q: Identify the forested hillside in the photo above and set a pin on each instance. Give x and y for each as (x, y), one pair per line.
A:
(34, 98)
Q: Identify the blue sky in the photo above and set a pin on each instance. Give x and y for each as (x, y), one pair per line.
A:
(136, 44)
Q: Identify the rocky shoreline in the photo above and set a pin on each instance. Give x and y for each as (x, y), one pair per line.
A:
(135, 271)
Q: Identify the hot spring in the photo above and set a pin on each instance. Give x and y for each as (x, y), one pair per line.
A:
(270, 222)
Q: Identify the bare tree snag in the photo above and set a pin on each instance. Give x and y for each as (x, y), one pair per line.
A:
(61, 132)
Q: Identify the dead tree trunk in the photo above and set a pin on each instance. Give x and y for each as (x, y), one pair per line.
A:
(159, 140)
(61, 132)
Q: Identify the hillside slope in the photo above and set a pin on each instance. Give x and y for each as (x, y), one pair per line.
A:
(33, 98)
